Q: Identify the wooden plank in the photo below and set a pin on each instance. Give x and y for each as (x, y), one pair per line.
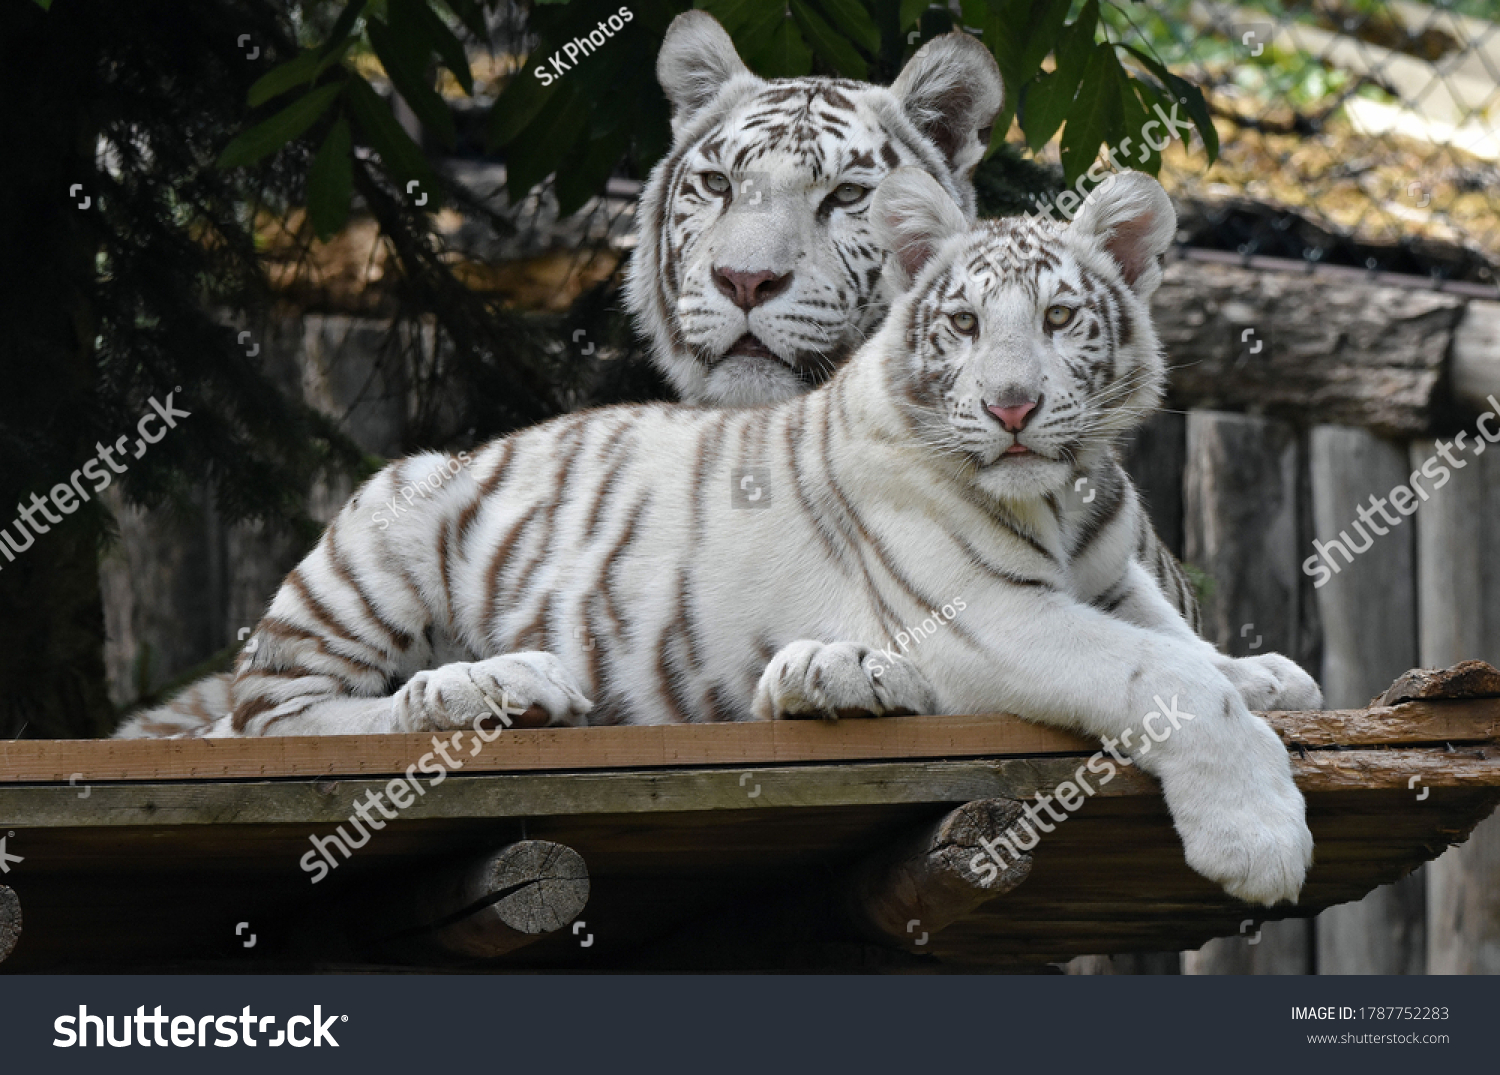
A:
(523, 795)
(86, 762)
(1476, 355)
(1458, 556)
(768, 742)
(1410, 723)
(1241, 529)
(1155, 455)
(1369, 613)
(1368, 606)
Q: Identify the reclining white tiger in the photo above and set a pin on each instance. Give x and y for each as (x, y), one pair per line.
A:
(757, 271)
(603, 558)
(748, 307)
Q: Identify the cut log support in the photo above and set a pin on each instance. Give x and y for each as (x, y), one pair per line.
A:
(926, 882)
(10, 921)
(485, 907)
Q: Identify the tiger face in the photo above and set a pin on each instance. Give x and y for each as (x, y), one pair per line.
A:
(1028, 347)
(758, 269)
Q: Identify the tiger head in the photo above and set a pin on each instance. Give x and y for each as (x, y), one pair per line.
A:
(1018, 347)
(757, 271)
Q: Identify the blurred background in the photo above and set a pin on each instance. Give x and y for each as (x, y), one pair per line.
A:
(341, 232)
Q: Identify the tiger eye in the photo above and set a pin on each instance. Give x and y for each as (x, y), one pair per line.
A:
(1058, 316)
(965, 321)
(849, 193)
(717, 182)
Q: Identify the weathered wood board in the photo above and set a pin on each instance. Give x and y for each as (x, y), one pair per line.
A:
(688, 833)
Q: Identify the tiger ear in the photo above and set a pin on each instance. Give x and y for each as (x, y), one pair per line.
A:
(696, 60)
(951, 91)
(912, 214)
(1131, 219)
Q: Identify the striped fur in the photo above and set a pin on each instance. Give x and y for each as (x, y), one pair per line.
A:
(799, 159)
(801, 140)
(787, 147)
(613, 567)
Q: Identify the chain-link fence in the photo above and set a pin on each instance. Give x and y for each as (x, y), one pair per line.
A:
(1355, 132)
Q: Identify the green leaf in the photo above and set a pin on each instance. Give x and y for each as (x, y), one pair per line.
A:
(855, 21)
(585, 171)
(352, 11)
(911, 11)
(331, 181)
(471, 14)
(402, 157)
(413, 85)
(1096, 115)
(283, 77)
(1049, 100)
(1137, 102)
(1042, 24)
(786, 56)
(1192, 99)
(305, 68)
(45, 5)
(759, 30)
(547, 140)
(272, 134)
(834, 50)
(406, 35)
(1186, 94)
(524, 96)
(733, 14)
(446, 44)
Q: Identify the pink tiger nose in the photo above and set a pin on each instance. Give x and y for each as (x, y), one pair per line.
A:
(747, 290)
(1013, 419)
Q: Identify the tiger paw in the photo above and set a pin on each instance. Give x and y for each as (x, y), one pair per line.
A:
(840, 679)
(1269, 681)
(522, 690)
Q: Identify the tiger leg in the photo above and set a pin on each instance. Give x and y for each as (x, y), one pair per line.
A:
(362, 637)
(189, 714)
(1266, 681)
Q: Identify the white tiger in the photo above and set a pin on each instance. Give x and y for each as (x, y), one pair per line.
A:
(603, 566)
(757, 270)
(758, 267)
(817, 146)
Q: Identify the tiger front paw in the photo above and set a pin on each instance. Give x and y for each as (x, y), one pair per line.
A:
(1269, 682)
(840, 679)
(525, 690)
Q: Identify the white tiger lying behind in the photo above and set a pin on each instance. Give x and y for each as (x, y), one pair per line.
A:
(758, 269)
(598, 565)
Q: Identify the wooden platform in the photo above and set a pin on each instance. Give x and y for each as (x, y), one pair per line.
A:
(706, 847)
